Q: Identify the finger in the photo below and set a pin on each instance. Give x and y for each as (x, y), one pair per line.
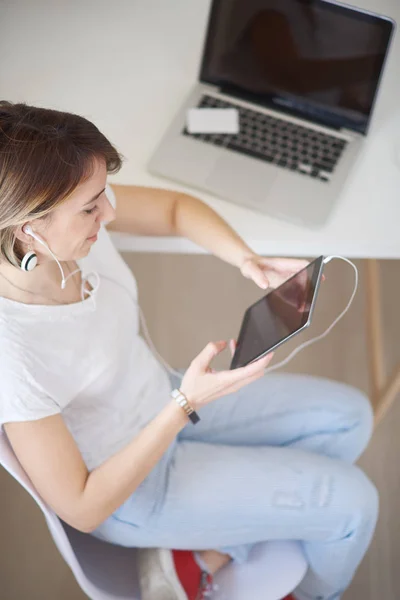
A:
(255, 272)
(296, 264)
(259, 277)
(229, 386)
(203, 360)
(243, 382)
(264, 360)
(287, 265)
(234, 375)
(232, 346)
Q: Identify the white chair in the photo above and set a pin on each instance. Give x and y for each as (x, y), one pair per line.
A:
(106, 572)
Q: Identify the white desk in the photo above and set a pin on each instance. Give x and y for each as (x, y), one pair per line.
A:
(127, 65)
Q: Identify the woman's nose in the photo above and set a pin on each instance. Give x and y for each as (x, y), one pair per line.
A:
(108, 212)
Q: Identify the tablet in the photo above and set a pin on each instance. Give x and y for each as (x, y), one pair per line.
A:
(278, 316)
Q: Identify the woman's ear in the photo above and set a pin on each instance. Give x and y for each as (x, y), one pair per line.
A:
(21, 235)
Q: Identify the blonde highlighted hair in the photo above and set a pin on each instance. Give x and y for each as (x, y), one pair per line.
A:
(44, 155)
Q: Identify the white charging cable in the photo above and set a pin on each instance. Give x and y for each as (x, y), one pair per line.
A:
(160, 358)
(320, 337)
(292, 354)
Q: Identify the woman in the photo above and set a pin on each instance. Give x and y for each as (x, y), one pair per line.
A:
(88, 409)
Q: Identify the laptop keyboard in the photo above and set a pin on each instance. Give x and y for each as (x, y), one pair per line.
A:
(282, 143)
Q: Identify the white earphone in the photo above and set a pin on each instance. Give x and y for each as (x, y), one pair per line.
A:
(29, 261)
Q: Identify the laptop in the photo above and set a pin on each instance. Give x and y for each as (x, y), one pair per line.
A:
(304, 77)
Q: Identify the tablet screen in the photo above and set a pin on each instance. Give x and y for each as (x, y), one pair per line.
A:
(278, 315)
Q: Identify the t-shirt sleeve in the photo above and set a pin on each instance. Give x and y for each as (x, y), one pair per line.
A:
(111, 195)
(22, 398)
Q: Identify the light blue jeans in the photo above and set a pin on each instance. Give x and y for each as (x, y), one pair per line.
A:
(273, 461)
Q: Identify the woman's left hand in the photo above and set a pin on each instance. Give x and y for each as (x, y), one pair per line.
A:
(271, 272)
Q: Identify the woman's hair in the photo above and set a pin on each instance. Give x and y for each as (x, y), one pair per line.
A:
(44, 155)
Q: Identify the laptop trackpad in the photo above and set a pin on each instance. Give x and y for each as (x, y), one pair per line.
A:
(240, 179)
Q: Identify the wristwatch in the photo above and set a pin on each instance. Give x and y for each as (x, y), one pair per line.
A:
(183, 402)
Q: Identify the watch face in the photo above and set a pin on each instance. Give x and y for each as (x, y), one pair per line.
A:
(180, 399)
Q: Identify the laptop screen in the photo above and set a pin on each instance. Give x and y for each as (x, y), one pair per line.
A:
(310, 57)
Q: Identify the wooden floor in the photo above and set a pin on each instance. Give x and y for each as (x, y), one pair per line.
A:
(208, 305)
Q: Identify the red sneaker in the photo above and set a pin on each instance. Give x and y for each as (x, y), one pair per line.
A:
(290, 597)
(171, 575)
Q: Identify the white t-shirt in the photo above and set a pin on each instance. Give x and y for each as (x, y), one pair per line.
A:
(92, 366)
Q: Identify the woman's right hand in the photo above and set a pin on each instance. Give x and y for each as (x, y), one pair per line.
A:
(201, 384)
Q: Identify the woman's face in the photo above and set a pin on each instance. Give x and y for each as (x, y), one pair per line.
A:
(69, 231)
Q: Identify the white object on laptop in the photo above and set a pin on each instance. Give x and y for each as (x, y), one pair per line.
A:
(212, 120)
